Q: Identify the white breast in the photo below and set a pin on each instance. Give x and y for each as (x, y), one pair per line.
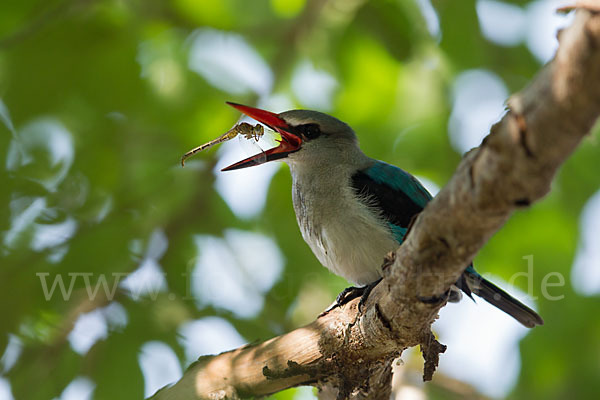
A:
(346, 235)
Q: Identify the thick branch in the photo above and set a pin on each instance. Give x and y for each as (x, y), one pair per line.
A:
(512, 168)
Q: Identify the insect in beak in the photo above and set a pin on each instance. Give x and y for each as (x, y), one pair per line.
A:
(289, 142)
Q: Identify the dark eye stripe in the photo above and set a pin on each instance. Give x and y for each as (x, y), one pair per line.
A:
(309, 131)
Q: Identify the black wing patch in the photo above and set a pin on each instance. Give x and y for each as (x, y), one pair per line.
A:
(395, 205)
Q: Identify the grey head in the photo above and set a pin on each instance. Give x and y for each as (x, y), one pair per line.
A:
(325, 139)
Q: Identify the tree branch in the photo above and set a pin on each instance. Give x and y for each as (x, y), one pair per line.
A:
(352, 351)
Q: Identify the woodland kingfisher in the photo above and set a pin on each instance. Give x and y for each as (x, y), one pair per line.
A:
(352, 210)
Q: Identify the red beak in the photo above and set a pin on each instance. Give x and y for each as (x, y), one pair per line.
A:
(289, 142)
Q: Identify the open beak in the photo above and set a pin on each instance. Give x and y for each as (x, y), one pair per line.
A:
(288, 143)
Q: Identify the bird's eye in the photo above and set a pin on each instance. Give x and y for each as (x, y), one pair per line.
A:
(310, 131)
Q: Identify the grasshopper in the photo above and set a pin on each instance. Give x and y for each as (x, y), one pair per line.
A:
(245, 129)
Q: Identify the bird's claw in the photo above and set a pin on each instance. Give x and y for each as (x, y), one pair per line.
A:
(366, 292)
(351, 293)
(348, 294)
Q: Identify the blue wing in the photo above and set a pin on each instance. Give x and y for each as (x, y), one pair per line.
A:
(397, 194)
(399, 180)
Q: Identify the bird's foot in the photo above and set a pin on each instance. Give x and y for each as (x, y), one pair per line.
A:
(352, 293)
(348, 294)
(367, 291)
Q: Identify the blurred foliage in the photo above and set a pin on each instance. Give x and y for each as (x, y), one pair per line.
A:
(113, 77)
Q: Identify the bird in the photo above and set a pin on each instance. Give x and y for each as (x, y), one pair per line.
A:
(351, 209)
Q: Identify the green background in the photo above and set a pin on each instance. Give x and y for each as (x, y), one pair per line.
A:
(98, 104)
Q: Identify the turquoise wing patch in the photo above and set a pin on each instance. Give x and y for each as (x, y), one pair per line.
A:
(401, 180)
